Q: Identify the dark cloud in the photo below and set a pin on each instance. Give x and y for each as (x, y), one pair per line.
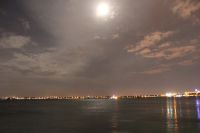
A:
(25, 24)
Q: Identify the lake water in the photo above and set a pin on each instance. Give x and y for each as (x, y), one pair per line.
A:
(151, 115)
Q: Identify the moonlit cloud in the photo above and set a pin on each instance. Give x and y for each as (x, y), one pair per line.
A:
(170, 53)
(186, 63)
(115, 36)
(14, 41)
(150, 47)
(164, 45)
(157, 70)
(186, 8)
(150, 41)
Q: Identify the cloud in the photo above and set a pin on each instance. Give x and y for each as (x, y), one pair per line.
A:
(25, 23)
(54, 62)
(158, 46)
(145, 51)
(185, 8)
(186, 63)
(97, 37)
(39, 63)
(158, 69)
(112, 36)
(14, 41)
(181, 51)
(165, 45)
(150, 41)
(168, 66)
(151, 47)
(115, 36)
(189, 62)
(170, 53)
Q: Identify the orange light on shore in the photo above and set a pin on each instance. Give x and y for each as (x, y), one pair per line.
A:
(170, 94)
(114, 97)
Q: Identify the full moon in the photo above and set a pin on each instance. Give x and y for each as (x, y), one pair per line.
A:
(103, 9)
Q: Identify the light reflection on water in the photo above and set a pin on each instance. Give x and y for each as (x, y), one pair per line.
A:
(172, 117)
(198, 110)
(115, 117)
(162, 115)
(177, 111)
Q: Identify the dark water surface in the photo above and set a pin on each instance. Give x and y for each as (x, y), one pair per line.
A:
(151, 115)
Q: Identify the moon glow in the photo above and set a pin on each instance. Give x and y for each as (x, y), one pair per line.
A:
(103, 9)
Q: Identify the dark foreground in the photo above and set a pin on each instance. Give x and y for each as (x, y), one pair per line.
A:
(151, 115)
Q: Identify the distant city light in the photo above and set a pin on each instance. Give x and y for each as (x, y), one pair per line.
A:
(114, 97)
(179, 95)
(195, 93)
(170, 94)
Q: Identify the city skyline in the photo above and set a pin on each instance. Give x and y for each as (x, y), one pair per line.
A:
(98, 47)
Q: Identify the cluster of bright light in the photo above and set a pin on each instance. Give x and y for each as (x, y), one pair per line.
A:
(179, 95)
(114, 97)
(103, 9)
(170, 94)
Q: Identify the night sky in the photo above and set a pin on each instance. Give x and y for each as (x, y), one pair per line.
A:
(64, 47)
